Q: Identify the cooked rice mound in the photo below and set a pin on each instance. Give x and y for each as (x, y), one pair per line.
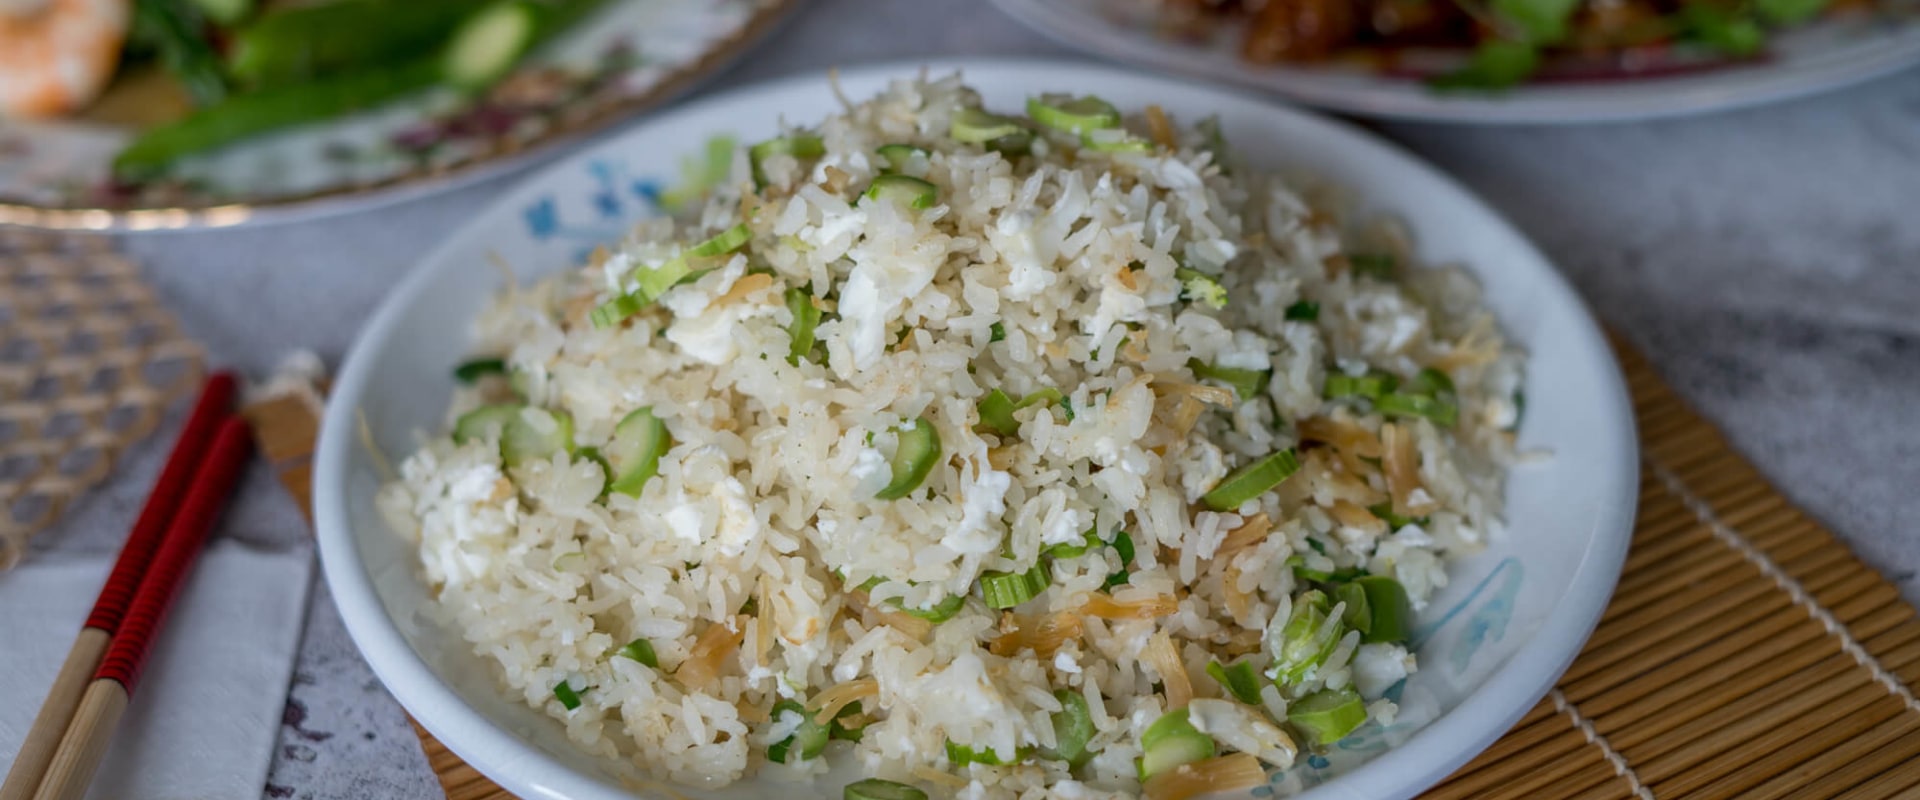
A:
(760, 565)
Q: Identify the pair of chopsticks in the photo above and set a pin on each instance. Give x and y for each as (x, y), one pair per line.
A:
(75, 724)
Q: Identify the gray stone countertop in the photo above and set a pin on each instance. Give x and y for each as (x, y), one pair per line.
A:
(1767, 261)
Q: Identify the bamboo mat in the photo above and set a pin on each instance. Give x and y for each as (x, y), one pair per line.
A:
(1746, 653)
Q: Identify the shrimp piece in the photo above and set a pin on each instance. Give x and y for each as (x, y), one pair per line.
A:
(57, 55)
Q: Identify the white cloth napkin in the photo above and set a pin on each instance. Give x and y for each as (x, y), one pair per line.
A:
(208, 705)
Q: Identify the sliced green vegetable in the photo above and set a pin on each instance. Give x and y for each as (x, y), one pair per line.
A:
(1240, 680)
(1307, 638)
(1430, 381)
(996, 415)
(1123, 544)
(1246, 383)
(225, 12)
(1251, 480)
(842, 732)
(918, 450)
(806, 741)
(1303, 311)
(1378, 266)
(1328, 715)
(1388, 607)
(639, 440)
(1789, 12)
(490, 42)
(478, 368)
(800, 332)
(1396, 404)
(699, 175)
(938, 612)
(1072, 728)
(1075, 115)
(1199, 287)
(1114, 141)
(291, 45)
(1306, 573)
(904, 189)
(1496, 64)
(174, 29)
(1370, 386)
(567, 696)
(1394, 521)
(1172, 741)
(1357, 613)
(475, 424)
(640, 650)
(535, 434)
(606, 470)
(799, 145)
(1089, 541)
(979, 126)
(722, 243)
(1009, 589)
(1542, 21)
(899, 156)
(615, 311)
(655, 281)
(1737, 36)
(962, 755)
(996, 332)
(877, 789)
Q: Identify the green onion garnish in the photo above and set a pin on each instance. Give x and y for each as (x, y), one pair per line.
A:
(1442, 412)
(1251, 480)
(1394, 521)
(1370, 386)
(1240, 680)
(478, 424)
(1072, 728)
(617, 310)
(898, 156)
(807, 741)
(1306, 573)
(806, 317)
(799, 145)
(1009, 589)
(1328, 715)
(1357, 613)
(842, 732)
(962, 755)
(996, 414)
(996, 332)
(1073, 115)
(639, 440)
(978, 126)
(1246, 383)
(1306, 639)
(1172, 741)
(1088, 541)
(1430, 381)
(877, 789)
(1199, 287)
(918, 450)
(938, 612)
(1114, 141)
(1123, 544)
(911, 191)
(1303, 311)
(1390, 611)
(640, 650)
(1378, 266)
(566, 695)
(478, 368)
(723, 242)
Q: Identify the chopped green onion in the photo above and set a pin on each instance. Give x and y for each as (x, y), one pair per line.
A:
(1047, 396)
(1123, 544)
(1239, 680)
(1394, 521)
(1430, 381)
(1442, 412)
(474, 370)
(918, 450)
(877, 789)
(1113, 140)
(639, 440)
(1251, 480)
(1378, 266)
(699, 175)
(962, 755)
(1072, 728)
(1357, 612)
(996, 414)
(978, 126)
(617, 310)
(898, 156)
(1246, 383)
(799, 145)
(606, 470)
(1303, 311)
(1306, 573)
(751, 607)
(1328, 715)
(1199, 287)
(800, 332)
(807, 741)
(1172, 741)
(640, 650)
(1073, 115)
(842, 732)
(938, 612)
(913, 192)
(1305, 640)
(1009, 589)
(535, 434)
(476, 424)
(1088, 541)
(566, 695)
(1388, 607)
(1371, 386)
(996, 332)
(723, 242)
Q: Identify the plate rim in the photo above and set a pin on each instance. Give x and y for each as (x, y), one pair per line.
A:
(418, 182)
(1647, 99)
(1505, 695)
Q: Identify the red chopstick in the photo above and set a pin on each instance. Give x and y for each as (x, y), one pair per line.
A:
(86, 738)
(36, 751)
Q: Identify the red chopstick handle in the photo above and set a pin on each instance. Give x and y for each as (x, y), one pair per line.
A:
(212, 484)
(214, 405)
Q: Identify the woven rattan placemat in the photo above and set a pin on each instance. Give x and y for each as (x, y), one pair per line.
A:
(1747, 653)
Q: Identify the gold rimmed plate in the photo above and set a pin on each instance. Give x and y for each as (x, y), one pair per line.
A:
(633, 55)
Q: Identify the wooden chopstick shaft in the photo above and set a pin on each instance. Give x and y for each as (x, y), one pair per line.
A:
(156, 517)
(85, 742)
(87, 736)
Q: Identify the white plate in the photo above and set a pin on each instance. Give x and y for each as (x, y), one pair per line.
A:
(630, 56)
(1492, 643)
(1824, 55)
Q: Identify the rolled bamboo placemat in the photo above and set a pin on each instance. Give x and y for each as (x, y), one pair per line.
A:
(1746, 653)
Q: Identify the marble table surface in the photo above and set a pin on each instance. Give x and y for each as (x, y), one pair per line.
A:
(1766, 260)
